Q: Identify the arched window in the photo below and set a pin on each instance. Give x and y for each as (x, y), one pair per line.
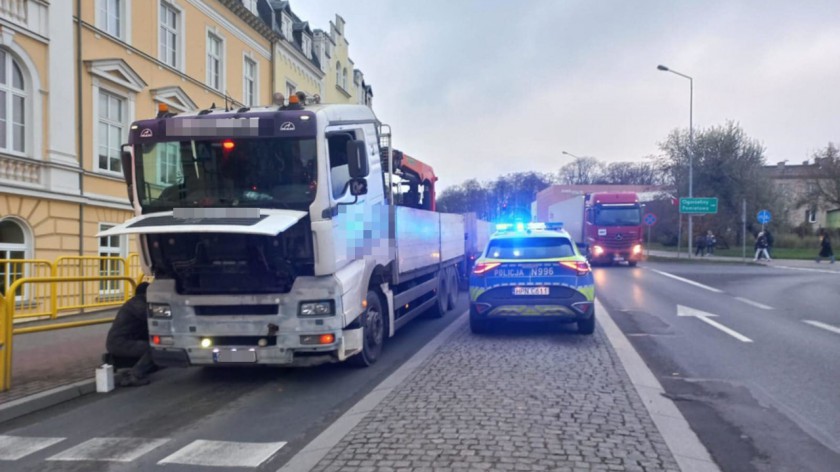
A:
(338, 73)
(344, 79)
(12, 104)
(12, 246)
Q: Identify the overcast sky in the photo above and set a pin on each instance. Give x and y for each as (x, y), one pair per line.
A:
(480, 88)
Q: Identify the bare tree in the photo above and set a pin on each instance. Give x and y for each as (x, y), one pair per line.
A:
(825, 180)
(581, 171)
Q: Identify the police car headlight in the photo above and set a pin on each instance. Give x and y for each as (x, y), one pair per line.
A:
(159, 311)
(319, 308)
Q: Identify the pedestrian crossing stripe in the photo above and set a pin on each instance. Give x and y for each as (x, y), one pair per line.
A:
(109, 449)
(224, 454)
(13, 448)
(199, 452)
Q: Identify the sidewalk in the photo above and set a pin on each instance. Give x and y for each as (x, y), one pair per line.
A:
(44, 361)
(788, 263)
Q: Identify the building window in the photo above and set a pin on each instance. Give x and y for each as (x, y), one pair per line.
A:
(112, 113)
(251, 5)
(110, 247)
(286, 27)
(811, 215)
(169, 170)
(290, 89)
(306, 43)
(249, 84)
(344, 79)
(12, 105)
(214, 61)
(338, 73)
(12, 247)
(111, 17)
(169, 34)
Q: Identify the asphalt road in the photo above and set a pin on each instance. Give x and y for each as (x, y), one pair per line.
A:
(182, 406)
(760, 382)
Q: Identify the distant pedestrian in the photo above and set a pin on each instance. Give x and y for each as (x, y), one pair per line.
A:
(710, 243)
(825, 246)
(770, 241)
(700, 247)
(761, 246)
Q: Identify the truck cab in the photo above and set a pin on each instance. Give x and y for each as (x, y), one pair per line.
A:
(613, 227)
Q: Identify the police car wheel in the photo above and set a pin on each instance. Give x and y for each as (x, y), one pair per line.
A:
(478, 325)
(373, 321)
(587, 326)
(631, 264)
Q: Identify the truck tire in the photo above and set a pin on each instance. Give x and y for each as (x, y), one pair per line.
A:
(587, 326)
(453, 288)
(441, 305)
(373, 322)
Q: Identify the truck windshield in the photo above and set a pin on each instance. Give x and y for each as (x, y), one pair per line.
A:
(530, 248)
(606, 216)
(257, 172)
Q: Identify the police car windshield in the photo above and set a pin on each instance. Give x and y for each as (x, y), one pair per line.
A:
(530, 248)
(256, 172)
(618, 216)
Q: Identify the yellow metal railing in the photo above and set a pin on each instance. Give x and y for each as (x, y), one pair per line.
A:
(66, 298)
(8, 305)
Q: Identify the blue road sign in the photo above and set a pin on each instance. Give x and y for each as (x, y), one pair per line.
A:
(764, 217)
(650, 219)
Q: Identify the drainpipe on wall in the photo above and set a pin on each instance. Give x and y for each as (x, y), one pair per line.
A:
(273, 86)
(80, 132)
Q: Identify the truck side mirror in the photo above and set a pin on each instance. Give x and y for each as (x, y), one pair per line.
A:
(128, 171)
(358, 186)
(357, 159)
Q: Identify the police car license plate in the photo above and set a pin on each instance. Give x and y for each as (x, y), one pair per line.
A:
(530, 290)
(230, 355)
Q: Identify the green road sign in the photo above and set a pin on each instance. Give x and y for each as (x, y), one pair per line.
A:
(698, 205)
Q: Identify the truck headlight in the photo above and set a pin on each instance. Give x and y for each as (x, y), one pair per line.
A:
(319, 308)
(597, 250)
(637, 249)
(159, 311)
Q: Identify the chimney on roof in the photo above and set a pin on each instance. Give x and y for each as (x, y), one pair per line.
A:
(781, 164)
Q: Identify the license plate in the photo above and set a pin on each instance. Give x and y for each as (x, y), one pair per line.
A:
(231, 356)
(530, 290)
(619, 258)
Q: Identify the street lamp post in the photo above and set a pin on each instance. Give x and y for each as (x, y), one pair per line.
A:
(690, 147)
(570, 154)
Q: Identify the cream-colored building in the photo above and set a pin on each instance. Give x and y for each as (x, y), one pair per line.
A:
(69, 90)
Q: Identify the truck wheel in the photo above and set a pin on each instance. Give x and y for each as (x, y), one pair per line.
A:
(453, 288)
(587, 326)
(442, 296)
(373, 322)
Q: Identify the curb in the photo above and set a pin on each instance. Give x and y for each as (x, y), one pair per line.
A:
(691, 455)
(39, 401)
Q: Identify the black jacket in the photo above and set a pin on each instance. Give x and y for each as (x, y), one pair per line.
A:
(130, 323)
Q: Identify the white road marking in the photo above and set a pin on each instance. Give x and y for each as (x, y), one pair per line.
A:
(706, 318)
(690, 282)
(224, 454)
(803, 269)
(109, 449)
(824, 326)
(13, 448)
(755, 304)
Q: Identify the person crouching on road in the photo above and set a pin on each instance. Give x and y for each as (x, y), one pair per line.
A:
(129, 337)
(761, 246)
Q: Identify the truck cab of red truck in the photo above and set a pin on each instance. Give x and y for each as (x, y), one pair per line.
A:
(613, 227)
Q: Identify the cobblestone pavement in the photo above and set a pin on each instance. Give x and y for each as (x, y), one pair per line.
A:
(525, 398)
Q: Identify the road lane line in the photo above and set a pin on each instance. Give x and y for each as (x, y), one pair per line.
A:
(755, 304)
(824, 326)
(803, 269)
(690, 282)
(726, 330)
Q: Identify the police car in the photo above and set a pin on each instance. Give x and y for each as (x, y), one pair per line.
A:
(532, 271)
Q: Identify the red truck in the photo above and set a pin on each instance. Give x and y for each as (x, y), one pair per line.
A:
(608, 225)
